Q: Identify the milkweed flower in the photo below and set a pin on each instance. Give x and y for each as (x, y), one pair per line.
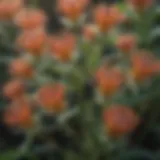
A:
(120, 120)
(71, 9)
(63, 46)
(21, 68)
(14, 89)
(52, 97)
(19, 114)
(8, 8)
(107, 17)
(34, 42)
(109, 80)
(126, 43)
(29, 18)
(144, 65)
(141, 5)
(90, 32)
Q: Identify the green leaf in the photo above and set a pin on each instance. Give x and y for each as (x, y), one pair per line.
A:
(10, 155)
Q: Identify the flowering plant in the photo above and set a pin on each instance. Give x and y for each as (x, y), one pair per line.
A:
(68, 84)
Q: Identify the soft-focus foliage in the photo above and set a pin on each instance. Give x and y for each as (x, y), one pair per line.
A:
(89, 91)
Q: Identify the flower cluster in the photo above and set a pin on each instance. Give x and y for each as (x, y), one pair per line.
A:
(76, 56)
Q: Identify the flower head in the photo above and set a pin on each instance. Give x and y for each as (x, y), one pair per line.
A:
(141, 5)
(51, 97)
(144, 65)
(90, 32)
(107, 17)
(21, 68)
(19, 114)
(30, 19)
(120, 120)
(8, 8)
(33, 42)
(14, 89)
(126, 43)
(71, 9)
(109, 80)
(62, 47)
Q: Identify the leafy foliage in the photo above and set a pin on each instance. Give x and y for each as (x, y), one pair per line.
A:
(72, 127)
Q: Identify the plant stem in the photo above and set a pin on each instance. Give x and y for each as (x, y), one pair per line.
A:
(24, 148)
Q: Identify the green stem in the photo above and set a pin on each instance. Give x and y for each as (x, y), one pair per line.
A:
(24, 149)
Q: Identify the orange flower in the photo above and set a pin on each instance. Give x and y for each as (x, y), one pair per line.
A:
(144, 65)
(90, 32)
(51, 97)
(106, 17)
(63, 47)
(8, 8)
(109, 80)
(120, 120)
(21, 68)
(71, 9)
(19, 114)
(141, 5)
(14, 89)
(126, 43)
(30, 18)
(32, 41)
